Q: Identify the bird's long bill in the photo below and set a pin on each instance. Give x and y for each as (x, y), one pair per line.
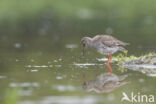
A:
(83, 48)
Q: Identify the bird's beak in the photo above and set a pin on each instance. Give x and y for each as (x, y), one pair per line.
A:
(83, 48)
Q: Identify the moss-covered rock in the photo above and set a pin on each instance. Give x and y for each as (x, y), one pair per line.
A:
(145, 63)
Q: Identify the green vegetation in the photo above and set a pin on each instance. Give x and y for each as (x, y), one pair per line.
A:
(12, 96)
(146, 59)
(69, 9)
(122, 58)
(125, 19)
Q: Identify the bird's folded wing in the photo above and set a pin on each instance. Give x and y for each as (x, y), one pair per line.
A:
(114, 43)
(110, 43)
(108, 40)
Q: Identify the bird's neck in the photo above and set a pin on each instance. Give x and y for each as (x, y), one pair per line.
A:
(90, 42)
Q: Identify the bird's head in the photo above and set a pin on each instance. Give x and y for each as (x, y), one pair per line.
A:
(85, 43)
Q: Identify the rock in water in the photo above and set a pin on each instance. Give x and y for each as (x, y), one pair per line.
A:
(145, 64)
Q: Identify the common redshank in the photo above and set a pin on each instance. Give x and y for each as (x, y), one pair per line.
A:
(105, 44)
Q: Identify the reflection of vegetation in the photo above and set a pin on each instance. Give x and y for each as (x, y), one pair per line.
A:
(96, 9)
(12, 96)
(125, 13)
(125, 19)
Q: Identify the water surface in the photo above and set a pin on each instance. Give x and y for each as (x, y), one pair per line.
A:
(52, 73)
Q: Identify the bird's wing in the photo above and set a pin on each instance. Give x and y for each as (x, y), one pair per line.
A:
(108, 40)
(111, 41)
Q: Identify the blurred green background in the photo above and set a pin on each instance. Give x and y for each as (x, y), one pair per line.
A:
(34, 33)
(67, 21)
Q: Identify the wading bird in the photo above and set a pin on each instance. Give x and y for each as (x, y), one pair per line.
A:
(105, 44)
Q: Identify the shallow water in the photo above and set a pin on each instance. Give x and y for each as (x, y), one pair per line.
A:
(55, 76)
(40, 51)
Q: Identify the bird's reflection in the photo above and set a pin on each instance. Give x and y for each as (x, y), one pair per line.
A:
(105, 82)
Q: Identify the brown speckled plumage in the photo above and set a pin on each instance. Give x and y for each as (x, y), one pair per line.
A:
(108, 40)
(104, 44)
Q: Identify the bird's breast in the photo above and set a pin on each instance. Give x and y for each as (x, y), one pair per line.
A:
(107, 50)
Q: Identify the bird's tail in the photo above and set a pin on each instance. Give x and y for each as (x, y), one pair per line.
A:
(126, 43)
(122, 49)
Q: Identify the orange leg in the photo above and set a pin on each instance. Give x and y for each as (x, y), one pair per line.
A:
(107, 63)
